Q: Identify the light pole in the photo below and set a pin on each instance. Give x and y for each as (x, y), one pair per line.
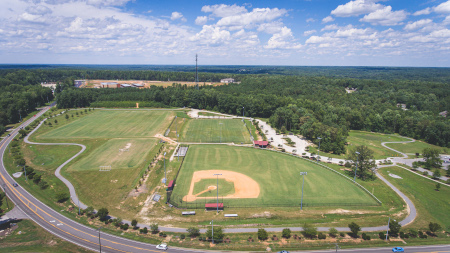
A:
(165, 178)
(243, 113)
(212, 231)
(302, 174)
(387, 231)
(217, 191)
(24, 170)
(4, 189)
(357, 158)
(318, 156)
(220, 132)
(99, 242)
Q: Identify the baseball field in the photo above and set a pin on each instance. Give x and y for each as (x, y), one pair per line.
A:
(114, 124)
(215, 131)
(261, 178)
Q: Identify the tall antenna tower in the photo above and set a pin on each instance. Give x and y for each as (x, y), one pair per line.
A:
(196, 73)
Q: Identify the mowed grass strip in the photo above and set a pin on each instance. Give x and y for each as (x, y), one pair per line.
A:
(109, 154)
(278, 176)
(416, 147)
(215, 131)
(225, 187)
(114, 124)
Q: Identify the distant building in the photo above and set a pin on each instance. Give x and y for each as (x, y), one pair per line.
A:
(78, 83)
(51, 85)
(125, 85)
(261, 144)
(138, 85)
(403, 106)
(227, 80)
(443, 114)
(110, 85)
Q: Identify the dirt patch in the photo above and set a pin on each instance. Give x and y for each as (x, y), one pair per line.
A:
(244, 186)
(343, 211)
(266, 214)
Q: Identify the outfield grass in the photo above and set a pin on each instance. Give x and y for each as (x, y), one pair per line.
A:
(431, 205)
(371, 140)
(109, 154)
(214, 131)
(278, 176)
(225, 187)
(416, 147)
(113, 124)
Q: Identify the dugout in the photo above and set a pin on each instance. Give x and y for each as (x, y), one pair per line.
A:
(261, 144)
(213, 206)
(170, 185)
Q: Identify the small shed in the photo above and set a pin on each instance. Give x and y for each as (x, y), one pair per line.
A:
(260, 144)
(170, 186)
(213, 206)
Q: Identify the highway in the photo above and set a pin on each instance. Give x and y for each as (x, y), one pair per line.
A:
(81, 235)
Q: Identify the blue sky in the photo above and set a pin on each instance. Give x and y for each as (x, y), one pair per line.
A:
(283, 32)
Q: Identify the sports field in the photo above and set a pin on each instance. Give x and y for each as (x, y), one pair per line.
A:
(215, 131)
(114, 124)
(117, 153)
(277, 176)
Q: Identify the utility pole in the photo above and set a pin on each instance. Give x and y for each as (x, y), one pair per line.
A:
(99, 242)
(165, 178)
(243, 113)
(302, 174)
(212, 230)
(26, 178)
(387, 231)
(357, 158)
(217, 190)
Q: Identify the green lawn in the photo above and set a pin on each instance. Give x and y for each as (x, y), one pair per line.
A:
(416, 147)
(109, 154)
(214, 131)
(431, 205)
(225, 187)
(371, 140)
(278, 176)
(113, 124)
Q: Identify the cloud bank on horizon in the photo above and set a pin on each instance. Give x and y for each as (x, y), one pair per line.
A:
(285, 32)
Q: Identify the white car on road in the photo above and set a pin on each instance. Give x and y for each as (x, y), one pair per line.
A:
(162, 246)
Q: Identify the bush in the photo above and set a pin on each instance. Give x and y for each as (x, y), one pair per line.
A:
(342, 234)
(355, 228)
(262, 234)
(124, 226)
(423, 236)
(348, 165)
(332, 232)
(434, 227)
(102, 213)
(367, 238)
(286, 233)
(62, 197)
(322, 236)
(402, 235)
(381, 235)
(134, 222)
(406, 236)
(154, 228)
(193, 232)
(182, 236)
(363, 236)
(37, 178)
(145, 230)
(43, 185)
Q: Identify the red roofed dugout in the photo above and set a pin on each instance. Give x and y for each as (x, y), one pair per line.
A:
(260, 144)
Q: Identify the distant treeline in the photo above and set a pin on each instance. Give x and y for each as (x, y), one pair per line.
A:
(312, 106)
(17, 101)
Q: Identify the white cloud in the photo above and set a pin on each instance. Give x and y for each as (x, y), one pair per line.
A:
(307, 33)
(425, 11)
(330, 27)
(327, 19)
(39, 10)
(282, 40)
(211, 35)
(256, 16)
(310, 20)
(443, 8)
(356, 8)
(222, 10)
(102, 2)
(201, 20)
(418, 24)
(176, 15)
(270, 28)
(385, 17)
(446, 20)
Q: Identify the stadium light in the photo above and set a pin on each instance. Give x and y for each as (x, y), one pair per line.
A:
(165, 178)
(99, 242)
(243, 113)
(318, 155)
(302, 174)
(212, 230)
(357, 157)
(217, 190)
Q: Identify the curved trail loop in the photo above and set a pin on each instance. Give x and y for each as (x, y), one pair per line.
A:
(403, 154)
(409, 205)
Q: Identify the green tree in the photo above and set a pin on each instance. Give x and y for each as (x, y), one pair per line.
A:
(56, 122)
(438, 186)
(434, 227)
(394, 227)
(309, 231)
(333, 232)
(437, 174)
(37, 178)
(193, 232)
(154, 228)
(355, 228)
(218, 233)
(447, 172)
(286, 233)
(262, 234)
(43, 184)
(134, 222)
(431, 157)
(67, 116)
(102, 213)
(62, 197)
(364, 161)
(23, 132)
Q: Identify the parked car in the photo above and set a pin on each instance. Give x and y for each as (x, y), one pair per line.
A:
(398, 249)
(15, 184)
(283, 251)
(162, 246)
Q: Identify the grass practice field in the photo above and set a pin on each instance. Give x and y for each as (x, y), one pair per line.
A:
(416, 147)
(278, 176)
(114, 124)
(215, 131)
(110, 154)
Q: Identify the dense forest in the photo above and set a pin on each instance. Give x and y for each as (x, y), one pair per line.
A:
(314, 104)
